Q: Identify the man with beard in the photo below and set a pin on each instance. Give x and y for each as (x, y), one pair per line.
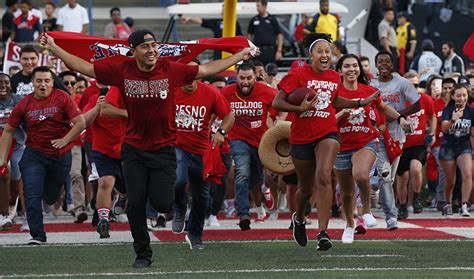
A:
(249, 101)
(453, 62)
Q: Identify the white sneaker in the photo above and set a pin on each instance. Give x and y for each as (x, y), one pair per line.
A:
(213, 222)
(410, 209)
(261, 213)
(348, 235)
(25, 227)
(12, 210)
(5, 223)
(151, 224)
(70, 208)
(465, 210)
(369, 220)
(283, 203)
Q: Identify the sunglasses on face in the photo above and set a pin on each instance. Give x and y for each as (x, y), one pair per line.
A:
(72, 83)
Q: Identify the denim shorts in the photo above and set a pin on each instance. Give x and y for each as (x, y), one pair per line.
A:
(306, 151)
(452, 151)
(344, 158)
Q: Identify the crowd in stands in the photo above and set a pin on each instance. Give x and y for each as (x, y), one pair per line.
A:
(429, 100)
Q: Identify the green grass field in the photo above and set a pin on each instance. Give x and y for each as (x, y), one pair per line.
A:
(363, 259)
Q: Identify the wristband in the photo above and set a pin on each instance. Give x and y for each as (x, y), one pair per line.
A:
(222, 132)
(400, 117)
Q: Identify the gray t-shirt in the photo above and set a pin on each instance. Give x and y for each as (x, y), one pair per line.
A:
(396, 93)
(6, 108)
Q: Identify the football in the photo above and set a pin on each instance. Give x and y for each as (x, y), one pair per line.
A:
(297, 95)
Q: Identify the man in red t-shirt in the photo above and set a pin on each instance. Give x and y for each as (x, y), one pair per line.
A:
(195, 104)
(148, 157)
(250, 101)
(47, 115)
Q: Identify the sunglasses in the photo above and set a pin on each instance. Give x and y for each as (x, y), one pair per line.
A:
(72, 83)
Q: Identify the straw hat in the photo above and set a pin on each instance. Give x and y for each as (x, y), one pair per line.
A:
(274, 149)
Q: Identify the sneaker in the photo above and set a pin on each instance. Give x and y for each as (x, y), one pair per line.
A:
(70, 208)
(5, 223)
(465, 210)
(369, 220)
(161, 221)
(269, 202)
(360, 227)
(402, 212)
(142, 263)
(282, 202)
(230, 212)
(455, 207)
(392, 224)
(244, 223)
(348, 235)
(119, 205)
(324, 242)
(410, 209)
(103, 228)
(335, 211)
(177, 225)
(299, 231)
(261, 214)
(80, 216)
(213, 222)
(440, 205)
(24, 226)
(37, 240)
(151, 224)
(448, 211)
(95, 218)
(195, 243)
(291, 225)
(417, 206)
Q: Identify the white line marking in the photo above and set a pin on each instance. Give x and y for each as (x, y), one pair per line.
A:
(363, 256)
(282, 270)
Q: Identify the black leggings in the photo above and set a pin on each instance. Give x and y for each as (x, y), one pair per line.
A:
(149, 176)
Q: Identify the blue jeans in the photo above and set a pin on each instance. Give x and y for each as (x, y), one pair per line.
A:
(190, 169)
(218, 191)
(441, 178)
(387, 196)
(248, 173)
(43, 177)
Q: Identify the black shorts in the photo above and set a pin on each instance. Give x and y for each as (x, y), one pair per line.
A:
(411, 153)
(306, 151)
(108, 166)
(290, 179)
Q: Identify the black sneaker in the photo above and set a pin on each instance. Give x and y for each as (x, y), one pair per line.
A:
(95, 218)
(195, 243)
(324, 242)
(402, 212)
(440, 205)
(177, 225)
(455, 207)
(103, 228)
(244, 223)
(299, 231)
(37, 240)
(417, 206)
(142, 263)
(335, 211)
(161, 221)
(119, 205)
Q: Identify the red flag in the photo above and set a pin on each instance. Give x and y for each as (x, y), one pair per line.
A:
(98, 49)
(469, 48)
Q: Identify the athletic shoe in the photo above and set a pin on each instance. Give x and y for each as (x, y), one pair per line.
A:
(392, 224)
(261, 214)
(417, 206)
(95, 218)
(142, 263)
(360, 227)
(5, 223)
(335, 211)
(37, 240)
(291, 225)
(440, 205)
(348, 235)
(24, 226)
(244, 223)
(213, 222)
(402, 212)
(455, 207)
(448, 211)
(324, 242)
(177, 225)
(103, 228)
(80, 216)
(299, 231)
(161, 221)
(369, 220)
(230, 212)
(282, 202)
(269, 202)
(195, 243)
(465, 210)
(119, 205)
(70, 208)
(151, 224)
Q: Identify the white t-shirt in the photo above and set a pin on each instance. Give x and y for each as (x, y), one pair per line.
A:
(72, 20)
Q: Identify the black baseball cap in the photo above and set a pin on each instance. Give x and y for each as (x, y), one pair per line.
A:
(138, 37)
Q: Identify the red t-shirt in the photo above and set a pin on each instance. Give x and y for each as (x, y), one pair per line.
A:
(438, 106)
(193, 113)
(356, 129)
(319, 121)
(77, 99)
(45, 120)
(88, 93)
(418, 121)
(108, 133)
(250, 112)
(149, 99)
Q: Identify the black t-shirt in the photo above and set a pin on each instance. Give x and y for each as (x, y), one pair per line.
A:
(460, 132)
(264, 29)
(7, 24)
(23, 85)
(49, 24)
(216, 26)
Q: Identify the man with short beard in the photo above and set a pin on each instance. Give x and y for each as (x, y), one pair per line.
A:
(249, 101)
(453, 63)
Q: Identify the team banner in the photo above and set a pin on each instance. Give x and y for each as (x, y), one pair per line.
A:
(98, 49)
